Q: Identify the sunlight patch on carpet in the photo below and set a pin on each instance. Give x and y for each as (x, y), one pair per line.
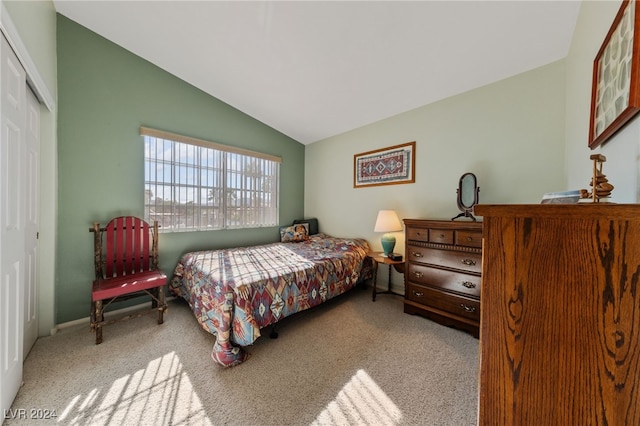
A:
(161, 393)
(360, 401)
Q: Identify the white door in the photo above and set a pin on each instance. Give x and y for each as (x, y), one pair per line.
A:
(12, 222)
(32, 176)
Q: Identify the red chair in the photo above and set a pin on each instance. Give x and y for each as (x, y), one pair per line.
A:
(126, 266)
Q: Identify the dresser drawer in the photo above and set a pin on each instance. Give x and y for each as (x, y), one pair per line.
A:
(457, 305)
(468, 285)
(469, 238)
(471, 262)
(441, 236)
(418, 234)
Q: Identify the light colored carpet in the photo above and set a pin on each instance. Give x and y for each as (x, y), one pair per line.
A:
(349, 362)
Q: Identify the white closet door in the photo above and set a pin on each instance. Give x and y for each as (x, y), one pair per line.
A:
(32, 176)
(12, 222)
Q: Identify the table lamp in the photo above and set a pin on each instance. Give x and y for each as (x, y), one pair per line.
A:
(388, 222)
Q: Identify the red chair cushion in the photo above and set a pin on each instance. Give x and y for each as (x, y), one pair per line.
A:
(119, 286)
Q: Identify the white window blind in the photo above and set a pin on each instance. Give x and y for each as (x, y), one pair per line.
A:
(192, 184)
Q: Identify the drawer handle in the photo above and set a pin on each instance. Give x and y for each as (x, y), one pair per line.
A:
(418, 293)
(468, 284)
(468, 308)
(469, 238)
(418, 274)
(415, 254)
(441, 235)
(469, 262)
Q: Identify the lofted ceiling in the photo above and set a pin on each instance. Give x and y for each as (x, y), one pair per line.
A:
(317, 69)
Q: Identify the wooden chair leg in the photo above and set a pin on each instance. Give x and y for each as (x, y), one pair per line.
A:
(163, 304)
(99, 319)
(154, 298)
(92, 317)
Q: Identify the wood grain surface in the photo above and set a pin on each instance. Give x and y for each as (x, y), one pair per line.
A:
(560, 319)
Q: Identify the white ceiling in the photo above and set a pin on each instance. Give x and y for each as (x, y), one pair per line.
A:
(316, 69)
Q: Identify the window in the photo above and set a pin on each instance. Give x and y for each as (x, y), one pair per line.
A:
(191, 184)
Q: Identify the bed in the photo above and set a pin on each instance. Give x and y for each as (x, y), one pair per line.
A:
(236, 292)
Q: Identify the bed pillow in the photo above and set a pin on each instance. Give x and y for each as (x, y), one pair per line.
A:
(312, 224)
(294, 233)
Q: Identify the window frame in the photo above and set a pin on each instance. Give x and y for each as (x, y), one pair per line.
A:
(238, 184)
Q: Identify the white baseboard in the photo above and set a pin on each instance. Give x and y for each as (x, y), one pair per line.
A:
(86, 320)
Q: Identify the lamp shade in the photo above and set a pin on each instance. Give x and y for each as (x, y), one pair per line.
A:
(387, 221)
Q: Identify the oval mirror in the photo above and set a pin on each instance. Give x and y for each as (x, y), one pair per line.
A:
(468, 190)
(467, 195)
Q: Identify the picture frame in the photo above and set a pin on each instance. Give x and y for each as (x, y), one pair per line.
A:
(387, 166)
(615, 92)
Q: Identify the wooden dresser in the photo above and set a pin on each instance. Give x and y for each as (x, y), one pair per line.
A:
(560, 322)
(442, 271)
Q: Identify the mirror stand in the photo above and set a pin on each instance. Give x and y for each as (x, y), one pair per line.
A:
(467, 191)
(466, 213)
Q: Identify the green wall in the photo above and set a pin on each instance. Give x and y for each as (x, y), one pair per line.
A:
(622, 149)
(508, 133)
(105, 94)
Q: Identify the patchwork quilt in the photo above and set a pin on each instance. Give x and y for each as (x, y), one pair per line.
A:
(236, 292)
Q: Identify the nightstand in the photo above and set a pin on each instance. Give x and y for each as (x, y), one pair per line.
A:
(378, 258)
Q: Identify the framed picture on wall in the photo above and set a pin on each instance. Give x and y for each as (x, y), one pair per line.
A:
(615, 92)
(386, 166)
